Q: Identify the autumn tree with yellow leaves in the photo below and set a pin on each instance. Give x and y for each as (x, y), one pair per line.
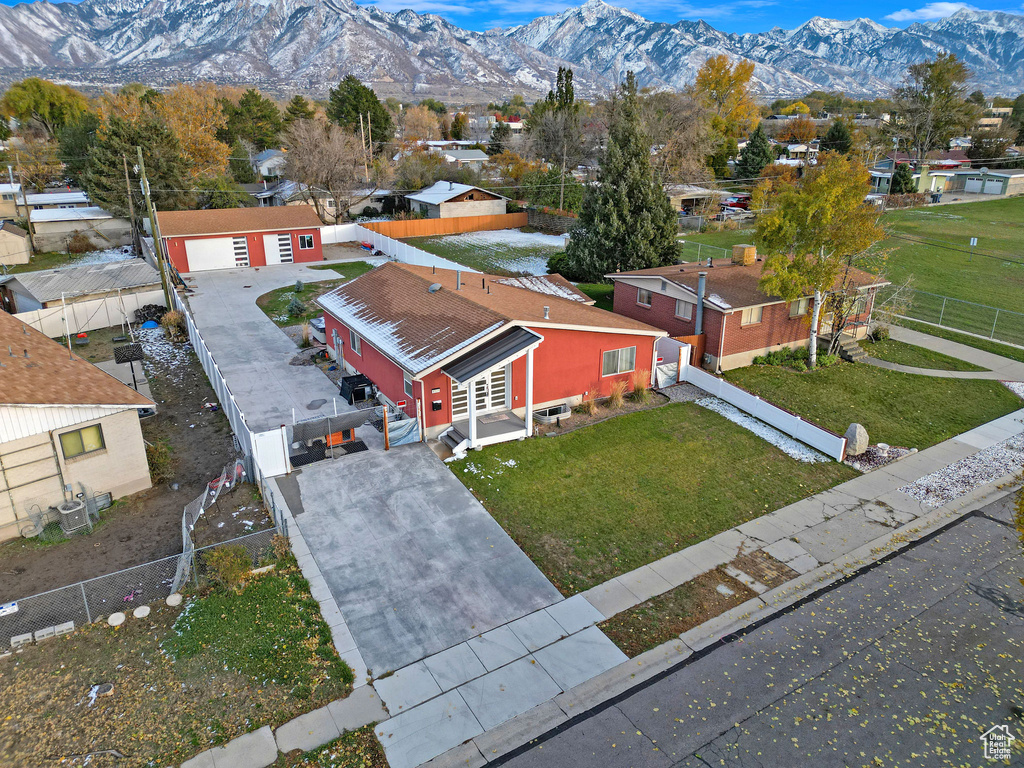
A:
(725, 88)
(193, 114)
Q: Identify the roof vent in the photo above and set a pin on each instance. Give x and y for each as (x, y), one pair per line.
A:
(434, 287)
(547, 313)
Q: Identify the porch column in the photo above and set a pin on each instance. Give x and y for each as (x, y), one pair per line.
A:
(472, 413)
(529, 393)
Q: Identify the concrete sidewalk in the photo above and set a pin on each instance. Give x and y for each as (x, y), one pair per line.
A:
(998, 368)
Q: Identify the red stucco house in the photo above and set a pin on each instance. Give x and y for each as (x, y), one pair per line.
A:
(240, 237)
(738, 321)
(474, 356)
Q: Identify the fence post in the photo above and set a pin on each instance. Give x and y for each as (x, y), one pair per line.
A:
(943, 310)
(994, 321)
(85, 602)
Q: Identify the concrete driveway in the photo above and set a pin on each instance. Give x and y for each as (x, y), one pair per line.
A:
(413, 560)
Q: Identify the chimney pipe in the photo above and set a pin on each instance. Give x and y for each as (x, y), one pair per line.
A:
(698, 327)
(26, 353)
(483, 283)
(458, 279)
(547, 313)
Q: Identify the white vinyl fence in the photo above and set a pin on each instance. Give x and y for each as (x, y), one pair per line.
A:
(406, 253)
(829, 443)
(89, 315)
(340, 233)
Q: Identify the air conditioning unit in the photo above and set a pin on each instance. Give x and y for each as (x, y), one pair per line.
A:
(73, 515)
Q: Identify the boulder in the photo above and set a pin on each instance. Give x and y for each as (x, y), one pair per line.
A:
(856, 440)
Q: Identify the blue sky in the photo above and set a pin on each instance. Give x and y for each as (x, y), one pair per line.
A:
(727, 15)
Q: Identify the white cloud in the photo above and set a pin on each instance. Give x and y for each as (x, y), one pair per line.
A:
(930, 12)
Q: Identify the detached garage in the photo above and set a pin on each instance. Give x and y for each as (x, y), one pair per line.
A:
(197, 241)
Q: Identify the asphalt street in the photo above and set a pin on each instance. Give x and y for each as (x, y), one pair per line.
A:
(905, 664)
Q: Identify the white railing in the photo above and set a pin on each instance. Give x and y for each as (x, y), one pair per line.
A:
(340, 233)
(827, 442)
(405, 253)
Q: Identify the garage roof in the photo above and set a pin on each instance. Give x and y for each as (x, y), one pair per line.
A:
(49, 284)
(68, 214)
(236, 221)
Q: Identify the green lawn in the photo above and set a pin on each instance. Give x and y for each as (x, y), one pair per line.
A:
(275, 303)
(600, 293)
(505, 251)
(722, 243)
(1005, 350)
(897, 408)
(355, 749)
(900, 352)
(48, 260)
(605, 499)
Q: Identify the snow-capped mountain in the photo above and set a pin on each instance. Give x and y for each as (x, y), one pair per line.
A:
(311, 44)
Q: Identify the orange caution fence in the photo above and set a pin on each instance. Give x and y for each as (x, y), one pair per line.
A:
(453, 226)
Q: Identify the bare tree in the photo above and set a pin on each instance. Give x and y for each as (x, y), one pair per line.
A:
(679, 127)
(329, 164)
(558, 139)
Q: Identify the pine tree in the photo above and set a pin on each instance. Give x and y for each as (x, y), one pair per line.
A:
(838, 138)
(104, 179)
(500, 137)
(627, 221)
(256, 119)
(241, 164)
(755, 156)
(902, 181)
(350, 100)
(298, 109)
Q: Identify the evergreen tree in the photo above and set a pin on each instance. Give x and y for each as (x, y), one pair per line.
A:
(755, 156)
(241, 164)
(222, 192)
(298, 109)
(500, 137)
(256, 119)
(460, 127)
(719, 161)
(902, 180)
(838, 138)
(627, 221)
(76, 141)
(350, 100)
(104, 179)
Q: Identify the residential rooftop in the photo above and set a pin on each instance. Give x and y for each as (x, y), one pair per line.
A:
(232, 221)
(443, 191)
(92, 213)
(50, 284)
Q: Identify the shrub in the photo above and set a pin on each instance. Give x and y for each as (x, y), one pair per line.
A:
(306, 341)
(824, 361)
(590, 405)
(174, 323)
(617, 394)
(161, 465)
(881, 333)
(295, 307)
(79, 243)
(299, 287)
(800, 365)
(640, 382)
(228, 566)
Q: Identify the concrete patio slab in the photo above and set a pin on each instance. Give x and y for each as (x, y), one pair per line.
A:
(579, 657)
(454, 666)
(407, 687)
(575, 614)
(497, 647)
(426, 731)
(506, 692)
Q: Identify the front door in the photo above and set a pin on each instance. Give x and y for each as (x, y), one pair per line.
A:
(490, 393)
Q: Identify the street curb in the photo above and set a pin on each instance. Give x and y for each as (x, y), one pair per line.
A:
(511, 738)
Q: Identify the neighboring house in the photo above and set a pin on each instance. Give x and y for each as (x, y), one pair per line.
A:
(927, 180)
(1003, 181)
(26, 291)
(269, 163)
(724, 303)
(990, 123)
(14, 245)
(240, 237)
(465, 158)
(805, 152)
(478, 355)
(947, 160)
(66, 428)
(268, 195)
(448, 199)
(687, 197)
(46, 201)
(10, 195)
(53, 228)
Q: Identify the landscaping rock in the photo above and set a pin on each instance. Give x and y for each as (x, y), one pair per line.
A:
(174, 600)
(141, 612)
(856, 440)
(116, 619)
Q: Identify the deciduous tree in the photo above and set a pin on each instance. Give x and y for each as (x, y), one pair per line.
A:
(930, 105)
(419, 124)
(194, 115)
(815, 234)
(726, 90)
(47, 104)
(679, 128)
(459, 129)
(802, 130)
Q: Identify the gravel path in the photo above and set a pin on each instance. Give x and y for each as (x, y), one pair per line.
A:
(964, 476)
(683, 393)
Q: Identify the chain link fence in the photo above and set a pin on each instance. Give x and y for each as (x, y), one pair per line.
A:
(955, 314)
(701, 252)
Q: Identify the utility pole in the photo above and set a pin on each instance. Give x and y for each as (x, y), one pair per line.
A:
(24, 202)
(362, 142)
(369, 130)
(561, 188)
(131, 206)
(157, 245)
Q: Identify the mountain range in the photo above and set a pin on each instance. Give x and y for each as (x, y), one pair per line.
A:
(309, 45)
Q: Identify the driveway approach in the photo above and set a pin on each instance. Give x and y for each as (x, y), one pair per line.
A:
(413, 560)
(907, 664)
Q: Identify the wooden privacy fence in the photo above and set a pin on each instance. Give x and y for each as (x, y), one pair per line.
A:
(452, 226)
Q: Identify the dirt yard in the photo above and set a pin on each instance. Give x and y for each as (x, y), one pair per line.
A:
(147, 526)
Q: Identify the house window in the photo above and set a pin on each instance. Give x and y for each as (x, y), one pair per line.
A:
(751, 316)
(305, 242)
(618, 361)
(684, 309)
(82, 441)
(799, 307)
(408, 384)
(643, 297)
(355, 343)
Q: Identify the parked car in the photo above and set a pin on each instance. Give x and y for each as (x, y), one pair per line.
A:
(741, 201)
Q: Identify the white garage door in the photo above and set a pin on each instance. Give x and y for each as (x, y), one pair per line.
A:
(278, 249)
(973, 184)
(993, 187)
(216, 253)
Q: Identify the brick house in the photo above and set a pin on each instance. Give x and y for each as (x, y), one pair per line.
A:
(429, 339)
(240, 237)
(723, 304)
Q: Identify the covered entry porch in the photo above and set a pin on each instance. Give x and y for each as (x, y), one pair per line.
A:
(481, 382)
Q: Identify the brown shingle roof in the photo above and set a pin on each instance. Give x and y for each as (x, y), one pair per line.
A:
(394, 309)
(729, 286)
(50, 375)
(13, 229)
(231, 221)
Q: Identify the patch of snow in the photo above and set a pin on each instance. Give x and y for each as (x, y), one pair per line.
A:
(961, 477)
(540, 284)
(163, 356)
(512, 238)
(785, 443)
(107, 256)
(714, 298)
